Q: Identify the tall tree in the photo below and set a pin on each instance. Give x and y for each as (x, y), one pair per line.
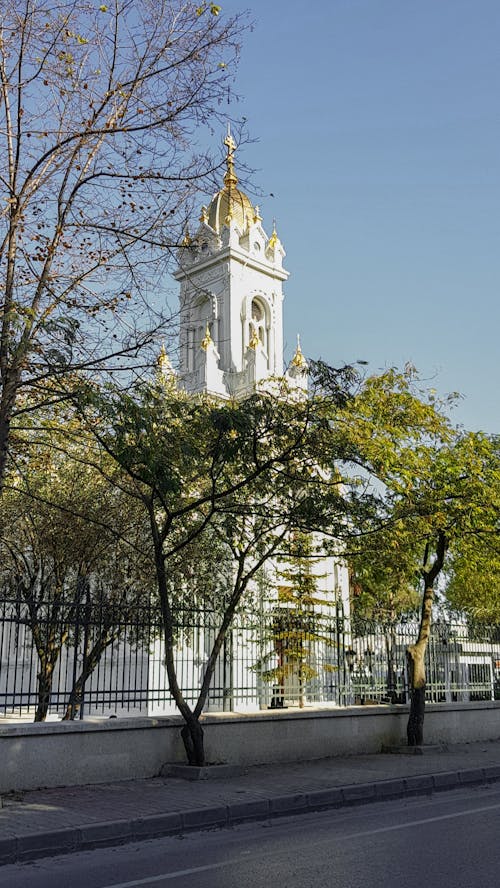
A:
(385, 586)
(73, 553)
(295, 616)
(250, 472)
(400, 436)
(436, 490)
(98, 104)
(458, 503)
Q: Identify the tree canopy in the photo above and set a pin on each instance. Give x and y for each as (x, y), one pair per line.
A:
(98, 106)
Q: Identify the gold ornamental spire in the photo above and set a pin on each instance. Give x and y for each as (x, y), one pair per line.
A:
(273, 240)
(207, 339)
(254, 339)
(187, 240)
(298, 359)
(163, 361)
(230, 179)
(165, 373)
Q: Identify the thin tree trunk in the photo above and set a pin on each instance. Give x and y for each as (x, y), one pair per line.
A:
(390, 643)
(192, 732)
(48, 655)
(90, 663)
(44, 689)
(415, 653)
(7, 401)
(416, 673)
(193, 739)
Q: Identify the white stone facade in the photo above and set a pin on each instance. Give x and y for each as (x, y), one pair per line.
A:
(231, 279)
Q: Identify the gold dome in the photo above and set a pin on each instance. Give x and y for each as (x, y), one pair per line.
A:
(230, 203)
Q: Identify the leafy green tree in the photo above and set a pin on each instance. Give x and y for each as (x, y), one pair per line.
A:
(458, 502)
(385, 586)
(296, 629)
(437, 492)
(64, 558)
(251, 472)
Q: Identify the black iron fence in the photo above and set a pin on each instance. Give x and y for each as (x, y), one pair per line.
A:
(90, 657)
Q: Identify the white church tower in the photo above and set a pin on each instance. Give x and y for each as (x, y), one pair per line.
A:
(231, 275)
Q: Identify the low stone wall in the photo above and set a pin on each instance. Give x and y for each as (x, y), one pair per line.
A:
(69, 753)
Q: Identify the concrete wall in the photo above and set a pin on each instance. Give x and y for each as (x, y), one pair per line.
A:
(65, 753)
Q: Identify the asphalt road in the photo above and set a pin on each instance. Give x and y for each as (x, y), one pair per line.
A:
(449, 840)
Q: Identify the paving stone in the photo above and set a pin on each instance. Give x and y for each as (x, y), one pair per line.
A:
(419, 783)
(472, 776)
(492, 773)
(358, 792)
(252, 809)
(95, 834)
(325, 798)
(157, 825)
(288, 804)
(446, 780)
(8, 851)
(200, 817)
(390, 789)
(59, 841)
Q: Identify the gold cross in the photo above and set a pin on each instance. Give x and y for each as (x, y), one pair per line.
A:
(229, 142)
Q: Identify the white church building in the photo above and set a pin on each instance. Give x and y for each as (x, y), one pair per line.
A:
(231, 278)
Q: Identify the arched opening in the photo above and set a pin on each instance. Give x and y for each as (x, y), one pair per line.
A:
(259, 324)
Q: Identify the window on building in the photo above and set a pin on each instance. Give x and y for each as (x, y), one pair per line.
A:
(259, 324)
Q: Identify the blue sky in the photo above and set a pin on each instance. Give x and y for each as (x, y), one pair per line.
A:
(378, 128)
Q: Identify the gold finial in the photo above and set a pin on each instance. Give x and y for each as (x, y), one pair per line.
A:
(164, 364)
(187, 239)
(257, 217)
(229, 141)
(254, 339)
(207, 339)
(230, 179)
(162, 358)
(204, 215)
(273, 240)
(298, 359)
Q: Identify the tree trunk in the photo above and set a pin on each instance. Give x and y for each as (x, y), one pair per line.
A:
(390, 645)
(192, 737)
(192, 732)
(416, 673)
(44, 690)
(9, 386)
(90, 663)
(415, 726)
(415, 653)
(48, 648)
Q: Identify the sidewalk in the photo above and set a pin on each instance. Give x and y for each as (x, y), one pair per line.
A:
(57, 821)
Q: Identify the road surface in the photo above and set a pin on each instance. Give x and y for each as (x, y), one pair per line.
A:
(449, 840)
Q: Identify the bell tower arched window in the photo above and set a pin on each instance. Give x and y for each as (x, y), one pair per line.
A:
(259, 325)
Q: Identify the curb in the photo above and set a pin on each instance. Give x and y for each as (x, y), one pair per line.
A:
(119, 832)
